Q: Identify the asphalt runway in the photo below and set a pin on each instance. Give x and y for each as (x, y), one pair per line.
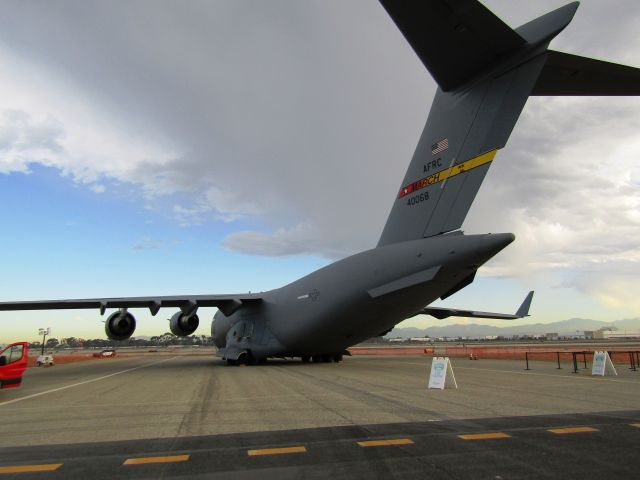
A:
(187, 416)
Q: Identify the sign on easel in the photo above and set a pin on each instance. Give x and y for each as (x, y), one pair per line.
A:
(441, 373)
(602, 364)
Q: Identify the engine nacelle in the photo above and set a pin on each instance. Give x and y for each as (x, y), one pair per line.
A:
(120, 325)
(183, 325)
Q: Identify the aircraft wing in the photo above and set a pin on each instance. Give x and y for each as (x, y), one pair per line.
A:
(225, 303)
(441, 313)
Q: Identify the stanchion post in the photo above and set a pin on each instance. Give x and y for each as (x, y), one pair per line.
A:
(526, 358)
(575, 362)
(558, 355)
(584, 359)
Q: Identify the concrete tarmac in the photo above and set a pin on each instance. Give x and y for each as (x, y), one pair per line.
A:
(199, 407)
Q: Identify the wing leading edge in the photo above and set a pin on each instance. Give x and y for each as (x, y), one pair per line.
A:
(441, 313)
(227, 304)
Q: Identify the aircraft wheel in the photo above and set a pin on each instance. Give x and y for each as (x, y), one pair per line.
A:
(244, 359)
(306, 359)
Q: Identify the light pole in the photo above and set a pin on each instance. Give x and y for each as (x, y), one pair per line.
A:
(44, 332)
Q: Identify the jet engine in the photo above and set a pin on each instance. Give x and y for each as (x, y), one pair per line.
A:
(183, 325)
(120, 325)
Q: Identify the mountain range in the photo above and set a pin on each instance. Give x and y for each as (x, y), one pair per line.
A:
(475, 330)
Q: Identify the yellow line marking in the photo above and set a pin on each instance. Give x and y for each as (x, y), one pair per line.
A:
(452, 171)
(384, 443)
(31, 468)
(167, 459)
(276, 451)
(562, 431)
(484, 436)
(637, 425)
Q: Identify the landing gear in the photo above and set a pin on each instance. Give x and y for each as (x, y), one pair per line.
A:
(246, 359)
(324, 358)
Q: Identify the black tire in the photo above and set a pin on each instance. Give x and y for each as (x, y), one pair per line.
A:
(316, 358)
(244, 359)
(232, 363)
(38, 364)
(337, 357)
(306, 359)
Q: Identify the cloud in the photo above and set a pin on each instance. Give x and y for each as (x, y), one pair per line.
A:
(302, 239)
(291, 124)
(25, 140)
(566, 187)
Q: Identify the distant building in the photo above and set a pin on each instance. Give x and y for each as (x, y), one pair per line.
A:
(620, 335)
(551, 336)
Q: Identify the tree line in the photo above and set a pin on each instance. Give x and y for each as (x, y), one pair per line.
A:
(165, 339)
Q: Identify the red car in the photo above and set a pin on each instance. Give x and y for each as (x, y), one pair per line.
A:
(13, 363)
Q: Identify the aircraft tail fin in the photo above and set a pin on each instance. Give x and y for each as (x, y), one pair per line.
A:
(486, 72)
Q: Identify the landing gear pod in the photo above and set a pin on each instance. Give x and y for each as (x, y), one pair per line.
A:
(183, 325)
(120, 325)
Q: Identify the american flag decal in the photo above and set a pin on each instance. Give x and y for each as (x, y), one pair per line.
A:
(441, 146)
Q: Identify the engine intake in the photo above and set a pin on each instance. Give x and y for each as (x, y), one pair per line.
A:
(120, 325)
(183, 325)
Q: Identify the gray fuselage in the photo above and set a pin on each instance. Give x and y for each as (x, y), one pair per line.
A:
(355, 298)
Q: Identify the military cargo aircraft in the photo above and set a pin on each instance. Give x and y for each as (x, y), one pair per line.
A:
(485, 73)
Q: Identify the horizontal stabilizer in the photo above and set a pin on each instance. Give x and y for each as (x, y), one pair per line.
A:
(455, 39)
(442, 313)
(567, 74)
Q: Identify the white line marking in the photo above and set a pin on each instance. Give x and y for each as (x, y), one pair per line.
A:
(83, 383)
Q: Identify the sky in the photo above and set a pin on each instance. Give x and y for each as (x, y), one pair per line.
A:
(156, 147)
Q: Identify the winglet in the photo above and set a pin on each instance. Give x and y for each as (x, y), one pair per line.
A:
(523, 311)
(442, 313)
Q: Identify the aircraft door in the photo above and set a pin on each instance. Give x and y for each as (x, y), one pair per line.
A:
(13, 363)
